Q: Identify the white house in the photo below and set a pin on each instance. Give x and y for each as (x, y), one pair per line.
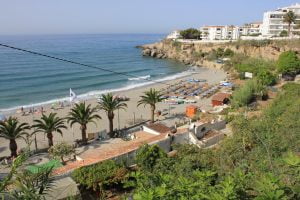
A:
(174, 35)
(273, 21)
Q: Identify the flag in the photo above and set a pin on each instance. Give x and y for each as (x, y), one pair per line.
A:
(72, 95)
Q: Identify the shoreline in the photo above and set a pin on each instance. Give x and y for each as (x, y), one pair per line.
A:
(96, 93)
(123, 118)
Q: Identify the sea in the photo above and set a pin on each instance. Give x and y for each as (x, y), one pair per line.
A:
(28, 80)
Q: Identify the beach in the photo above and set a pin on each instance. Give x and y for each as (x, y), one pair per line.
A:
(123, 118)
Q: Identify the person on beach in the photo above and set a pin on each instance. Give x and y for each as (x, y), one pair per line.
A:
(22, 111)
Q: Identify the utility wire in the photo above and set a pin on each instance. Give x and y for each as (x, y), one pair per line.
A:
(78, 63)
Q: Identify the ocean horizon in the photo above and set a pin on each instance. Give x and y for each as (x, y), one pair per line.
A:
(28, 80)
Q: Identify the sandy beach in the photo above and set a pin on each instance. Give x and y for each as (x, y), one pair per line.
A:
(122, 119)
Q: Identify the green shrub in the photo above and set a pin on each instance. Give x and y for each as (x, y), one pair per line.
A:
(266, 78)
(148, 156)
(220, 52)
(228, 53)
(288, 62)
(254, 65)
(283, 33)
(101, 175)
(247, 93)
(61, 150)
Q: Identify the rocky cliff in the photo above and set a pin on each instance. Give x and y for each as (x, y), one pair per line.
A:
(196, 53)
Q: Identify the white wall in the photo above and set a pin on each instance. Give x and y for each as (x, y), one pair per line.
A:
(148, 130)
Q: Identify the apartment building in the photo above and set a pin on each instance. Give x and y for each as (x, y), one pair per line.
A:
(251, 29)
(219, 32)
(273, 21)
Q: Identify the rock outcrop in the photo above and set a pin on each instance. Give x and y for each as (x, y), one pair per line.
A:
(191, 53)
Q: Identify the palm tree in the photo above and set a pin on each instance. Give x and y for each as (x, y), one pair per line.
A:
(50, 124)
(109, 104)
(289, 18)
(151, 97)
(12, 130)
(83, 115)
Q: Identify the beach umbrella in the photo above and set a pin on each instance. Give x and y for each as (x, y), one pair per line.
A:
(2, 117)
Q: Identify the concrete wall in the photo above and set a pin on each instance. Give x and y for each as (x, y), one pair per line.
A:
(206, 143)
(181, 138)
(201, 129)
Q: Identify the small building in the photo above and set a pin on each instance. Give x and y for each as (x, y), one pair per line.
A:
(191, 111)
(174, 35)
(220, 99)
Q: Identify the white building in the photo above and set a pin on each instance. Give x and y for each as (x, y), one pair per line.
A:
(251, 29)
(219, 32)
(273, 21)
(174, 35)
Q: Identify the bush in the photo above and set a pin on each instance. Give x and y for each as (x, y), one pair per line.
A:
(148, 155)
(220, 52)
(228, 53)
(283, 33)
(288, 62)
(247, 93)
(101, 175)
(254, 65)
(61, 150)
(190, 33)
(266, 78)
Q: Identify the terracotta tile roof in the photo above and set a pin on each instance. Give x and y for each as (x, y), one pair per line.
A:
(213, 26)
(97, 155)
(160, 128)
(220, 96)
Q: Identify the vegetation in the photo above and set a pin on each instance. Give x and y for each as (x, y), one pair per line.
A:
(151, 98)
(288, 62)
(253, 65)
(27, 185)
(48, 125)
(148, 156)
(190, 33)
(263, 70)
(266, 77)
(219, 53)
(289, 18)
(251, 90)
(259, 162)
(83, 115)
(109, 104)
(101, 176)
(12, 130)
(61, 151)
(284, 33)
(252, 43)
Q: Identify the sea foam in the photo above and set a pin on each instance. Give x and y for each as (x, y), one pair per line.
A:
(96, 93)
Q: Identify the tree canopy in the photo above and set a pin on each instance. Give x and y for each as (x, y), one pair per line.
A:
(190, 33)
(288, 62)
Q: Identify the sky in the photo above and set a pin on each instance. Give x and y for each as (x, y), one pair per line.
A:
(126, 16)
